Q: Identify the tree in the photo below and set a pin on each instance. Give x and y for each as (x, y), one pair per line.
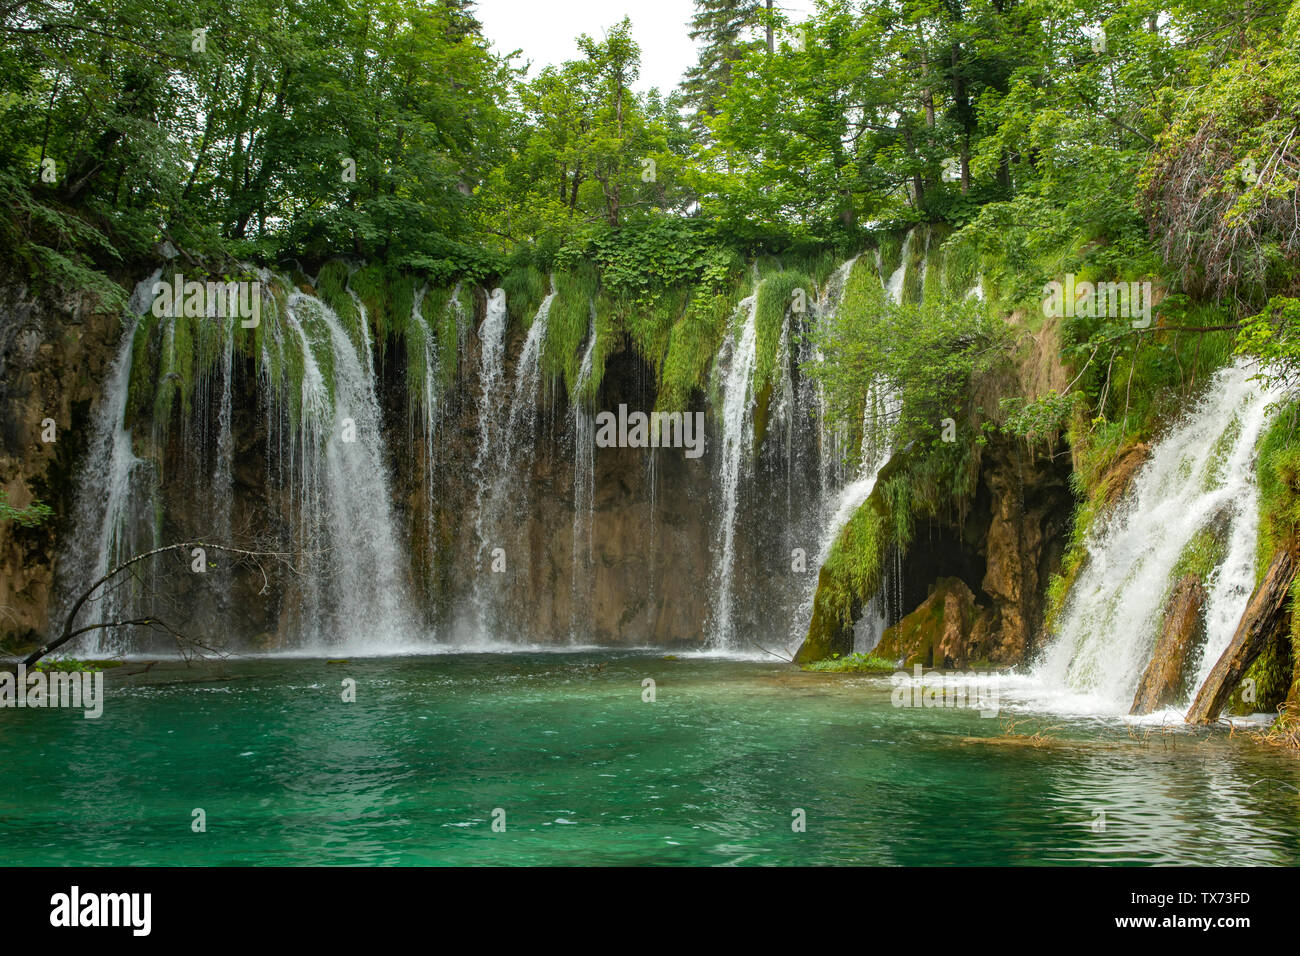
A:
(724, 28)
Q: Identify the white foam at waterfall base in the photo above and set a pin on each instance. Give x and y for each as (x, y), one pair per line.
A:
(1201, 470)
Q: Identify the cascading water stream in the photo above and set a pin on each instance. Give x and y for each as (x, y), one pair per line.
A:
(114, 496)
(879, 411)
(491, 335)
(1200, 477)
(737, 436)
(357, 598)
(894, 286)
(511, 453)
(584, 480)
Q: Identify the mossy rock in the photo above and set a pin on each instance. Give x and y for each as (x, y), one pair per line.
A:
(937, 632)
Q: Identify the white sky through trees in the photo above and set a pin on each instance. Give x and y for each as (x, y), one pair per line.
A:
(546, 31)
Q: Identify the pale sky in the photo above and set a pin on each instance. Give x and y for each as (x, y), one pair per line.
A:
(546, 30)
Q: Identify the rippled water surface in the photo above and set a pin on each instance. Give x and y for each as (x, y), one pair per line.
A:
(711, 772)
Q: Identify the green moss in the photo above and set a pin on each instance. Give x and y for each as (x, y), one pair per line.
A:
(961, 266)
(1279, 487)
(144, 369)
(370, 283)
(693, 342)
(852, 664)
(891, 253)
(568, 325)
(609, 336)
(1269, 679)
(525, 287)
(776, 296)
(332, 289)
(850, 576)
(1203, 554)
(401, 304)
(932, 284)
(917, 252)
(649, 325)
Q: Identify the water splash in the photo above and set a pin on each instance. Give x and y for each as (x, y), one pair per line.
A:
(1200, 473)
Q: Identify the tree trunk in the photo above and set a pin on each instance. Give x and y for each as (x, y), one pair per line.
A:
(1266, 613)
(1163, 682)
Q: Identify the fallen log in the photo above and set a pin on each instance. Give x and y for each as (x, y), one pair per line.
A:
(1163, 682)
(1265, 613)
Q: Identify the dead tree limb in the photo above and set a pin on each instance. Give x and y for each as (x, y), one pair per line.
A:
(70, 630)
(1259, 624)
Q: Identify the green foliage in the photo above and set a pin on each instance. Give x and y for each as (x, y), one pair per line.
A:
(852, 664)
(568, 326)
(1272, 338)
(1278, 470)
(33, 515)
(525, 288)
(1040, 420)
(930, 354)
(642, 261)
(301, 130)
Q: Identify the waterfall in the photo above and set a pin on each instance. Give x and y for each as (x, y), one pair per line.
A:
(507, 456)
(491, 336)
(1200, 474)
(584, 477)
(894, 286)
(424, 412)
(324, 447)
(737, 435)
(113, 503)
(842, 500)
(357, 596)
(522, 418)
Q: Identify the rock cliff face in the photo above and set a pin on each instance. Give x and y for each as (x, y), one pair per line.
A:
(973, 592)
(53, 354)
(970, 588)
(503, 546)
(633, 569)
(634, 564)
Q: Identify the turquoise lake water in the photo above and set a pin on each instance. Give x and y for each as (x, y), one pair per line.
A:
(586, 772)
